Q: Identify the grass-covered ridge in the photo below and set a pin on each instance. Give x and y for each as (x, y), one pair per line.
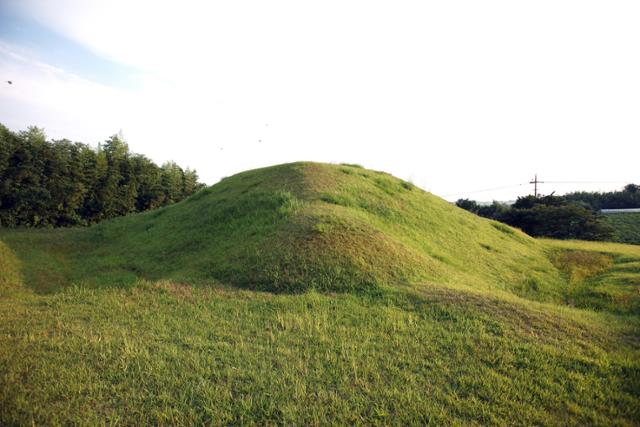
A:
(299, 226)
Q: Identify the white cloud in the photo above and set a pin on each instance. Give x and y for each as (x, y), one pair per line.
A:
(458, 95)
(61, 102)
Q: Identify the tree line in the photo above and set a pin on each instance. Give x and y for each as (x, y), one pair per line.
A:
(61, 183)
(627, 198)
(572, 216)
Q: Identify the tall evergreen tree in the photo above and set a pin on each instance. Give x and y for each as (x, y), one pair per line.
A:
(61, 183)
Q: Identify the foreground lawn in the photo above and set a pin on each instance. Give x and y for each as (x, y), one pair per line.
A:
(166, 353)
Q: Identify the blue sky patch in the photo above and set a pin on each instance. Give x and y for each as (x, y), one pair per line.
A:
(54, 49)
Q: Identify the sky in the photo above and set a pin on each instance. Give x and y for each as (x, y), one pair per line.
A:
(466, 99)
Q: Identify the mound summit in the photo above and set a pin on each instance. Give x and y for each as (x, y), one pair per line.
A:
(304, 225)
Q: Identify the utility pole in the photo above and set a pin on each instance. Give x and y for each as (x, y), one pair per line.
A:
(535, 183)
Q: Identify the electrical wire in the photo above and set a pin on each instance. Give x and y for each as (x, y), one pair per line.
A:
(487, 189)
(528, 183)
(584, 182)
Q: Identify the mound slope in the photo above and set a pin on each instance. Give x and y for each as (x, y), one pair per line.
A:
(308, 225)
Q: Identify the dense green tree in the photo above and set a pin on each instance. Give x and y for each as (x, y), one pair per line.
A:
(495, 210)
(631, 189)
(528, 202)
(172, 178)
(567, 221)
(190, 182)
(545, 216)
(468, 205)
(25, 195)
(150, 193)
(627, 198)
(61, 183)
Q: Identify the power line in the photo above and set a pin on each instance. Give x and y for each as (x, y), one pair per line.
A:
(587, 182)
(485, 190)
(535, 182)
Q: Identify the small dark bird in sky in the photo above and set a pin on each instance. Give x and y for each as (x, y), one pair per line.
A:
(10, 82)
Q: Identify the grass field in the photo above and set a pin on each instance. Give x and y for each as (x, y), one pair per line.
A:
(316, 294)
(626, 227)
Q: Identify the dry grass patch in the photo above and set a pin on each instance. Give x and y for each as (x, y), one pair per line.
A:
(580, 265)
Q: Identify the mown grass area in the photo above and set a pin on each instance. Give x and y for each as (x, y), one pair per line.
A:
(313, 294)
(161, 353)
(626, 227)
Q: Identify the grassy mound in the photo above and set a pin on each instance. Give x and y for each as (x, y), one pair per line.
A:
(439, 338)
(302, 226)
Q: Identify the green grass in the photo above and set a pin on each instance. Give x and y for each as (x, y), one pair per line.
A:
(315, 294)
(626, 227)
(601, 276)
(178, 354)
